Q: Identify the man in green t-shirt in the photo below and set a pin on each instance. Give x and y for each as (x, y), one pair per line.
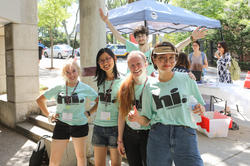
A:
(141, 36)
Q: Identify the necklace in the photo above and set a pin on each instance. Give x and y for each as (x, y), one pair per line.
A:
(140, 100)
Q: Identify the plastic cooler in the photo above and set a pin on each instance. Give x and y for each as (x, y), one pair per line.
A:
(214, 124)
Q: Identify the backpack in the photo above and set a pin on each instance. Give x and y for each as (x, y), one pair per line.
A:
(40, 156)
(234, 69)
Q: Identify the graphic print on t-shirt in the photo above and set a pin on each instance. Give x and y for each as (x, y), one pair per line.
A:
(106, 97)
(170, 101)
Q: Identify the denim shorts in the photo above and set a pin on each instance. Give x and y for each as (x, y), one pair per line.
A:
(172, 143)
(105, 136)
(65, 131)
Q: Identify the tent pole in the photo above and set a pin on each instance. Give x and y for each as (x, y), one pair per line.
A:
(221, 35)
(145, 23)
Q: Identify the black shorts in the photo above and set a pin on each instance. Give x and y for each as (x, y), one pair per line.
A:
(65, 131)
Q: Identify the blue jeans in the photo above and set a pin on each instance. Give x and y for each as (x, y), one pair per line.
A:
(168, 143)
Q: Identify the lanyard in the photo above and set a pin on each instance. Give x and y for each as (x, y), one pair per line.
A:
(67, 101)
(137, 105)
(106, 93)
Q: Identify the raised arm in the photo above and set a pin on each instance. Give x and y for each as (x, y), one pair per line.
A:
(117, 35)
(198, 33)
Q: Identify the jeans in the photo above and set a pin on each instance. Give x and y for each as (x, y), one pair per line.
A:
(135, 143)
(168, 143)
(105, 136)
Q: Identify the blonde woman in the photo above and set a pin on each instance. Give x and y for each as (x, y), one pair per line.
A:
(70, 117)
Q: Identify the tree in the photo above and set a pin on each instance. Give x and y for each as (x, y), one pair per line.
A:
(51, 13)
(69, 34)
(234, 17)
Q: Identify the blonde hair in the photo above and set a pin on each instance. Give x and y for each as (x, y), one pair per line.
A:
(127, 91)
(69, 63)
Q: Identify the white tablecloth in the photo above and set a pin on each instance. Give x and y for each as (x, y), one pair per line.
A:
(234, 94)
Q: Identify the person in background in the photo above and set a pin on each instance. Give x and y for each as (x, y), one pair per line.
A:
(132, 137)
(182, 64)
(105, 131)
(223, 62)
(40, 50)
(198, 61)
(70, 117)
(166, 106)
(141, 36)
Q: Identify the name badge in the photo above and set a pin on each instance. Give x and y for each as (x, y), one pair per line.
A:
(135, 125)
(105, 115)
(67, 116)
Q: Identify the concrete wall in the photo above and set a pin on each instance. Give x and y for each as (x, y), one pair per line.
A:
(2, 62)
(92, 38)
(21, 59)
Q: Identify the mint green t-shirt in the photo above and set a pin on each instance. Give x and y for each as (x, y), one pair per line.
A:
(107, 110)
(139, 90)
(133, 47)
(72, 113)
(168, 102)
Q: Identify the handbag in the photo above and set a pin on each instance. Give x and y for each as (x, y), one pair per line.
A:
(39, 155)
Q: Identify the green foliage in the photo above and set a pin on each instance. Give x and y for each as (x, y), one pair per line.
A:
(52, 12)
(234, 16)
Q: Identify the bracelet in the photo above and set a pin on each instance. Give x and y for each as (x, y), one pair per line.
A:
(88, 113)
(119, 142)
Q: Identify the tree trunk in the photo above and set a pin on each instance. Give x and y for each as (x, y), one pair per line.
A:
(68, 35)
(51, 47)
(66, 32)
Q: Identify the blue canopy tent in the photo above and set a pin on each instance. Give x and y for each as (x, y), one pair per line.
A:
(158, 17)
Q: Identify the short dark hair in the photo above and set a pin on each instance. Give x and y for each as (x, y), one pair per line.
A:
(100, 74)
(224, 46)
(140, 30)
(162, 44)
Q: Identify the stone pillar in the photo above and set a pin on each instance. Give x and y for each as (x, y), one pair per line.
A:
(22, 68)
(2, 63)
(92, 38)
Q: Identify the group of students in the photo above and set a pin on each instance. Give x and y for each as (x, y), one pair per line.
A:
(146, 118)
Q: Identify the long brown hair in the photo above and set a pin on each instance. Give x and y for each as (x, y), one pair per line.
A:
(126, 96)
(126, 92)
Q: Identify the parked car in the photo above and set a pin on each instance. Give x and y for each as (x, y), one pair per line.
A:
(118, 49)
(59, 51)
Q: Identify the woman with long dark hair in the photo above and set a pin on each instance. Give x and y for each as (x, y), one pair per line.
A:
(223, 62)
(105, 131)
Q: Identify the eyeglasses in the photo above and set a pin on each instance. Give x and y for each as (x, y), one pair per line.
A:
(102, 61)
(219, 47)
(165, 59)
